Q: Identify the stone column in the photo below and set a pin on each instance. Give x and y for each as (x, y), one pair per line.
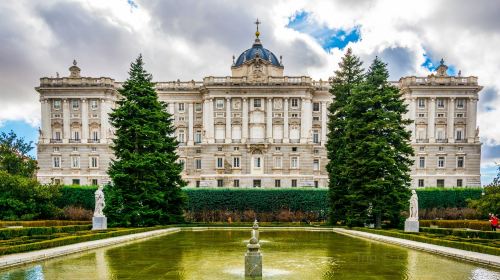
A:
(412, 116)
(46, 122)
(471, 119)
(269, 121)
(205, 121)
(323, 122)
(450, 119)
(432, 120)
(105, 110)
(66, 120)
(85, 120)
(228, 120)
(286, 135)
(210, 120)
(190, 124)
(305, 120)
(244, 127)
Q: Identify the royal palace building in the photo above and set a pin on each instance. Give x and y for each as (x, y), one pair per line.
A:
(254, 128)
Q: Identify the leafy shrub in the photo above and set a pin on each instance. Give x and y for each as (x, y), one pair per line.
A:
(449, 214)
(446, 198)
(8, 233)
(284, 215)
(79, 196)
(463, 233)
(490, 202)
(471, 224)
(42, 223)
(77, 213)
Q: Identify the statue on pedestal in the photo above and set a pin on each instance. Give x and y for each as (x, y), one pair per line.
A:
(99, 221)
(412, 224)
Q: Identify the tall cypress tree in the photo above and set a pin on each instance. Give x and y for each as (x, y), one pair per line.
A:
(349, 74)
(146, 181)
(379, 149)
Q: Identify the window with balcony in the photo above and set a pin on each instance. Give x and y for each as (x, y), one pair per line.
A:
(95, 135)
(76, 135)
(440, 102)
(219, 103)
(459, 134)
(460, 103)
(440, 162)
(421, 103)
(75, 104)
(315, 136)
(94, 105)
(181, 136)
(197, 137)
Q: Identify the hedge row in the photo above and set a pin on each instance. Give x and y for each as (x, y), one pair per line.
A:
(442, 242)
(471, 224)
(70, 240)
(463, 233)
(271, 200)
(8, 233)
(42, 223)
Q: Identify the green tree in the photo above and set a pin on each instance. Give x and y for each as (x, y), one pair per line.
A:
(14, 157)
(490, 201)
(379, 150)
(349, 74)
(146, 181)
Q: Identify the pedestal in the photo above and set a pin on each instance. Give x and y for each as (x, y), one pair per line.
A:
(412, 226)
(99, 223)
(253, 264)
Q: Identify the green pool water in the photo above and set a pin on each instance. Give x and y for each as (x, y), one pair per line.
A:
(219, 255)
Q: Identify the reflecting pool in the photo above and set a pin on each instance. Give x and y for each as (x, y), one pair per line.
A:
(220, 255)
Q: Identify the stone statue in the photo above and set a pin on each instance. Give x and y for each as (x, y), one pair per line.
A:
(413, 206)
(99, 203)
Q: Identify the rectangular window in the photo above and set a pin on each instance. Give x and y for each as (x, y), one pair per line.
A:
(75, 162)
(316, 106)
(460, 115)
(57, 104)
(95, 135)
(316, 164)
(294, 163)
(257, 162)
(294, 183)
(295, 102)
(236, 162)
(197, 163)
(441, 162)
(294, 149)
(421, 183)
(197, 107)
(458, 134)
(236, 183)
(421, 103)
(440, 115)
(56, 162)
(55, 149)
(94, 162)
(421, 115)
(460, 183)
(316, 184)
(93, 149)
(278, 162)
(421, 162)
(460, 103)
(236, 148)
(315, 118)
(197, 137)
(93, 104)
(277, 183)
(75, 182)
(198, 183)
(181, 136)
(219, 103)
(440, 183)
(220, 183)
(76, 135)
(220, 162)
(75, 104)
(316, 137)
(257, 103)
(257, 183)
(94, 182)
(440, 103)
(295, 115)
(460, 162)
(182, 162)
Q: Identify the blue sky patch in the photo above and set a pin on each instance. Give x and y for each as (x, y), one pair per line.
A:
(432, 66)
(132, 4)
(326, 37)
(24, 130)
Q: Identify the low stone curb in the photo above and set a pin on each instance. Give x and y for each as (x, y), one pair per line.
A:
(34, 256)
(475, 257)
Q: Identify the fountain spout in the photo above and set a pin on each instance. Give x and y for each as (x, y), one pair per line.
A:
(253, 257)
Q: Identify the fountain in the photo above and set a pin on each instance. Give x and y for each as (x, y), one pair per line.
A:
(253, 258)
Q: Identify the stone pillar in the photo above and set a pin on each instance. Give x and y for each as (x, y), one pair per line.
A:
(228, 120)
(286, 135)
(305, 120)
(105, 126)
(66, 120)
(85, 120)
(450, 120)
(205, 121)
(46, 122)
(210, 120)
(323, 122)
(171, 108)
(471, 119)
(190, 124)
(412, 116)
(244, 127)
(432, 120)
(269, 120)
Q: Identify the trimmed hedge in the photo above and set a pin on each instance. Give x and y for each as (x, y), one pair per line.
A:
(442, 242)
(71, 240)
(8, 233)
(471, 224)
(463, 233)
(42, 223)
(271, 200)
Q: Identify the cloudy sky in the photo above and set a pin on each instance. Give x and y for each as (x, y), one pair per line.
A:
(191, 39)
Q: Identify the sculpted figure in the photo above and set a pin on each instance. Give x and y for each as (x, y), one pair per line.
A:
(413, 206)
(99, 203)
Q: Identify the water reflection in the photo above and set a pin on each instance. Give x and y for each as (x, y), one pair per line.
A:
(219, 255)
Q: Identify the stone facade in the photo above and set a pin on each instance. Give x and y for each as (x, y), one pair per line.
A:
(255, 128)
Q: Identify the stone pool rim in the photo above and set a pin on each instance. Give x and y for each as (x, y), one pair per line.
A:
(19, 259)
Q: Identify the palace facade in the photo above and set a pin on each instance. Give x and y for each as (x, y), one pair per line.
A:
(254, 128)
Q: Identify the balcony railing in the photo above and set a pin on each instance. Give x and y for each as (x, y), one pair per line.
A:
(294, 141)
(219, 140)
(75, 140)
(236, 140)
(441, 140)
(94, 141)
(422, 140)
(256, 140)
(435, 80)
(460, 140)
(55, 140)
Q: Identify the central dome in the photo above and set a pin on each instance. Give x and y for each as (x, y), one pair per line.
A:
(257, 50)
